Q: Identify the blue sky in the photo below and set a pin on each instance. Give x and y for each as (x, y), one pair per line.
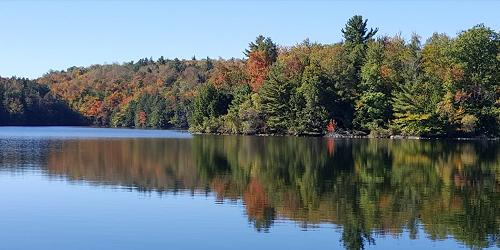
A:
(36, 36)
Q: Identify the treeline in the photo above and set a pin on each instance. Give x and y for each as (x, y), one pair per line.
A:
(142, 94)
(379, 85)
(384, 86)
(25, 102)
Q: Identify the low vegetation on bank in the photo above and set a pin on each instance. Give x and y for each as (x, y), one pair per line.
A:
(379, 86)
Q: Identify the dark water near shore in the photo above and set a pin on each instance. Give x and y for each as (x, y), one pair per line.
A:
(86, 188)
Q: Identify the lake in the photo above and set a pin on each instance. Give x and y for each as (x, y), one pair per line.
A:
(92, 188)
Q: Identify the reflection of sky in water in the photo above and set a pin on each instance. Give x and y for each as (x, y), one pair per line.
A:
(70, 188)
(85, 132)
(40, 214)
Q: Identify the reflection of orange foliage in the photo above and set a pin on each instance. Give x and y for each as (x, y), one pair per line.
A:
(331, 126)
(458, 180)
(257, 67)
(385, 202)
(219, 187)
(225, 189)
(168, 164)
(330, 146)
(457, 203)
(149, 164)
(255, 199)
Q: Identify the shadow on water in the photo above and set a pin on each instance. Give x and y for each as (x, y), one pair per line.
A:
(369, 188)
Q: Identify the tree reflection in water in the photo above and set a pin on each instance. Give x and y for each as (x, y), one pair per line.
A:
(370, 188)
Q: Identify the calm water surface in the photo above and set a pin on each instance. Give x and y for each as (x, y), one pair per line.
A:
(87, 188)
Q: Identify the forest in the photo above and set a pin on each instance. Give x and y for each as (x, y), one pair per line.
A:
(367, 84)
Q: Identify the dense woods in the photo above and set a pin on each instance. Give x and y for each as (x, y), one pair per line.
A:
(365, 84)
(25, 102)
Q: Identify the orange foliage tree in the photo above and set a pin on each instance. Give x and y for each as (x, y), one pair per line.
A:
(257, 68)
(142, 118)
(228, 74)
(331, 126)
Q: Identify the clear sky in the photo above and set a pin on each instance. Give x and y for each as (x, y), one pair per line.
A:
(36, 36)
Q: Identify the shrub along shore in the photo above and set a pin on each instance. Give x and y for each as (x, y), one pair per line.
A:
(365, 85)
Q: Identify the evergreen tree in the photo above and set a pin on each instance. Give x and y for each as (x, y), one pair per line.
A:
(161, 60)
(159, 115)
(264, 44)
(414, 106)
(356, 32)
(209, 64)
(276, 95)
(209, 103)
(261, 55)
(356, 37)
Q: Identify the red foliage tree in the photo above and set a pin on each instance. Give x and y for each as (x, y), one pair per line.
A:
(95, 109)
(331, 126)
(257, 67)
(142, 118)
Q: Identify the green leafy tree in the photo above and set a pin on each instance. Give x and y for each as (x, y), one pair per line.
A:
(476, 50)
(243, 114)
(125, 116)
(210, 104)
(373, 108)
(313, 116)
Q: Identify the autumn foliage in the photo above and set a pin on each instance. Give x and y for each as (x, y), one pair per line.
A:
(256, 202)
(330, 128)
(257, 68)
(378, 86)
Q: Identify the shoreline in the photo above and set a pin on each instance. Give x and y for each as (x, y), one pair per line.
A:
(342, 135)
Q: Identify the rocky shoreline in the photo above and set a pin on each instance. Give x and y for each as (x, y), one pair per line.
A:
(361, 135)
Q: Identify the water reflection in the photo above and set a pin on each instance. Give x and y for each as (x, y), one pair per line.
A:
(369, 188)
